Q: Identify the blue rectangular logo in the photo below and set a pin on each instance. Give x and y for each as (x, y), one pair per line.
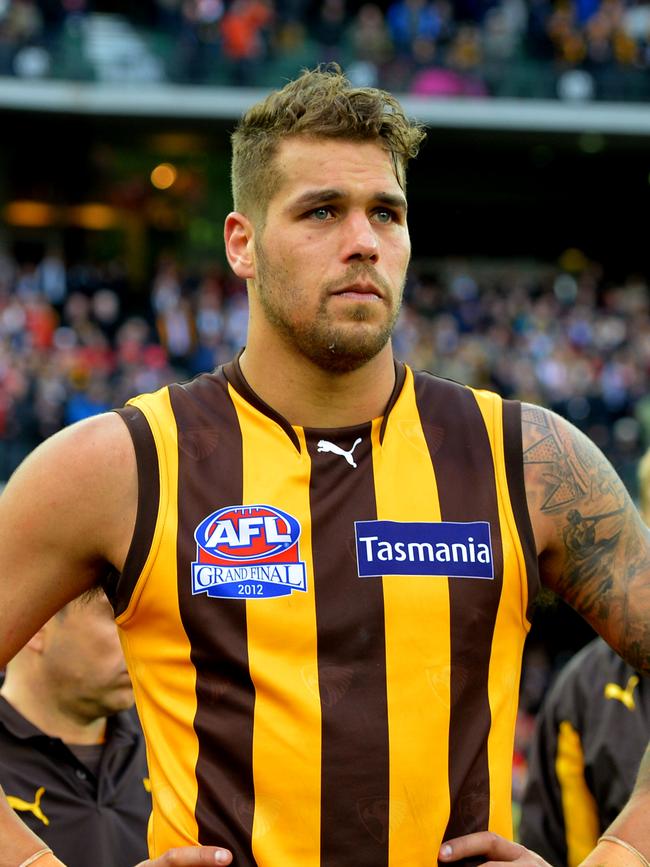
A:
(444, 548)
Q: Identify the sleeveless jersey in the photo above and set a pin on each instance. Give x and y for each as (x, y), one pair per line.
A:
(325, 627)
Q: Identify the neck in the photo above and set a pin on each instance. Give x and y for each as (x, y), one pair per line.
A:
(309, 396)
(50, 716)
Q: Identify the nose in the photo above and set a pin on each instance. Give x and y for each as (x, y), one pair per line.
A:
(360, 242)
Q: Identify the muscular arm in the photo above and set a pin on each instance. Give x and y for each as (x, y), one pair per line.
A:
(66, 515)
(593, 547)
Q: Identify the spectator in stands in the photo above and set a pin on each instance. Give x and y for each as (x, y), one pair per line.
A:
(244, 33)
(590, 736)
(369, 42)
(409, 20)
(72, 757)
(328, 30)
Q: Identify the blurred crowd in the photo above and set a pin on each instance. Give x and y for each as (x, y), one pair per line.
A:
(74, 341)
(571, 49)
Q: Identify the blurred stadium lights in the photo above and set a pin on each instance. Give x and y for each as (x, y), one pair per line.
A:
(164, 176)
(34, 214)
(204, 102)
(30, 214)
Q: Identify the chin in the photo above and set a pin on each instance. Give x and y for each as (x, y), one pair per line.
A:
(353, 347)
(121, 699)
(345, 356)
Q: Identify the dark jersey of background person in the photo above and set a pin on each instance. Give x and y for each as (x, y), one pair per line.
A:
(590, 736)
(90, 803)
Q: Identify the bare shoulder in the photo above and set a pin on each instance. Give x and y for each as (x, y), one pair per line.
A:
(66, 516)
(594, 549)
(80, 464)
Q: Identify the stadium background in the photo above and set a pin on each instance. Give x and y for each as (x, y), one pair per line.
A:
(528, 205)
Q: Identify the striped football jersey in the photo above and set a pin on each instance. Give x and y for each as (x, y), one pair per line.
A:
(325, 627)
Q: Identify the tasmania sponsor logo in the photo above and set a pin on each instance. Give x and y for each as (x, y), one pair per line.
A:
(462, 550)
(248, 552)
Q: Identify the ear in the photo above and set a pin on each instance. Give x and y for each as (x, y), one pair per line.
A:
(239, 238)
(37, 642)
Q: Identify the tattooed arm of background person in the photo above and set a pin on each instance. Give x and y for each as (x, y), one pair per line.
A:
(593, 547)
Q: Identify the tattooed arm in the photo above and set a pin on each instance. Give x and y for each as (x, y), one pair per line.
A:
(593, 547)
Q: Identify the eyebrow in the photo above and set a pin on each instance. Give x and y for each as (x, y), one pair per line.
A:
(313, 198)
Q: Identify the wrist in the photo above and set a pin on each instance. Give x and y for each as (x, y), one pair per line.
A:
(638, 857)
(612, 851)
(43, 857)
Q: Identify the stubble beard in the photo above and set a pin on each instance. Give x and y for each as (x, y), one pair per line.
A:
(331, 346)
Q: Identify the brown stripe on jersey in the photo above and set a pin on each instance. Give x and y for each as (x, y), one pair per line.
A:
(210, 447)
(463, 464)
(350, 625)
(120, 590)
(513, 448)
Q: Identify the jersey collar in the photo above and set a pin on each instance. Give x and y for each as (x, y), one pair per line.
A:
(233, 373)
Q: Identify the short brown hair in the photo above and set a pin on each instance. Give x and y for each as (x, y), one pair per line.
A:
(320, 103)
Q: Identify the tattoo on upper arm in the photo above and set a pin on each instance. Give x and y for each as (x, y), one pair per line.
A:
(571, 470)
(600, 541)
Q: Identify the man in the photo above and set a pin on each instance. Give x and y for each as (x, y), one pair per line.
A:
(589, 738)
(321, 564)
(72, 757)
(623, 844)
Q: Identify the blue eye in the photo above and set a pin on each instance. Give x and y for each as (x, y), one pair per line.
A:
(320, 213)
(384, 216)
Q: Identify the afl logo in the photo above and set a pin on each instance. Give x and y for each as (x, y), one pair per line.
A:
(248, 552)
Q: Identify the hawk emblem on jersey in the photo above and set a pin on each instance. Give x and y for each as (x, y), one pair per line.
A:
(248, 552)
(327, 446)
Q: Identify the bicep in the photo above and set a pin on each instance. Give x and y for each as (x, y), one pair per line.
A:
(66, 515)
(594, 549)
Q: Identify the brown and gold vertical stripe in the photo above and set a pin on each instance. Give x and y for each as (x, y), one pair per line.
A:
(464, 469)
(351, 659)
(210, 452)
(283, 661)
(165, 695)
(417, 645)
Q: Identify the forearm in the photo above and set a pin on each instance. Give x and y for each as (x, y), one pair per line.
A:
(18, 842)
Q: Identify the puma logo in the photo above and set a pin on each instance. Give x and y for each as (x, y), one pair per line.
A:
(625, 696)
(326, 446)
(26, 807)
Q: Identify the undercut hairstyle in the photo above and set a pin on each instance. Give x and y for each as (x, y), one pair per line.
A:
(320, 103)
(84, 598)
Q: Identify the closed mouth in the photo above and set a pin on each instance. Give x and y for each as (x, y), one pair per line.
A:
(367, 289)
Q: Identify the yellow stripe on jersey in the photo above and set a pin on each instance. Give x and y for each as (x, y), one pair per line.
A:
(165, 694)
(578, 805)
(508, 640)
(418, 707)
(283, 660)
